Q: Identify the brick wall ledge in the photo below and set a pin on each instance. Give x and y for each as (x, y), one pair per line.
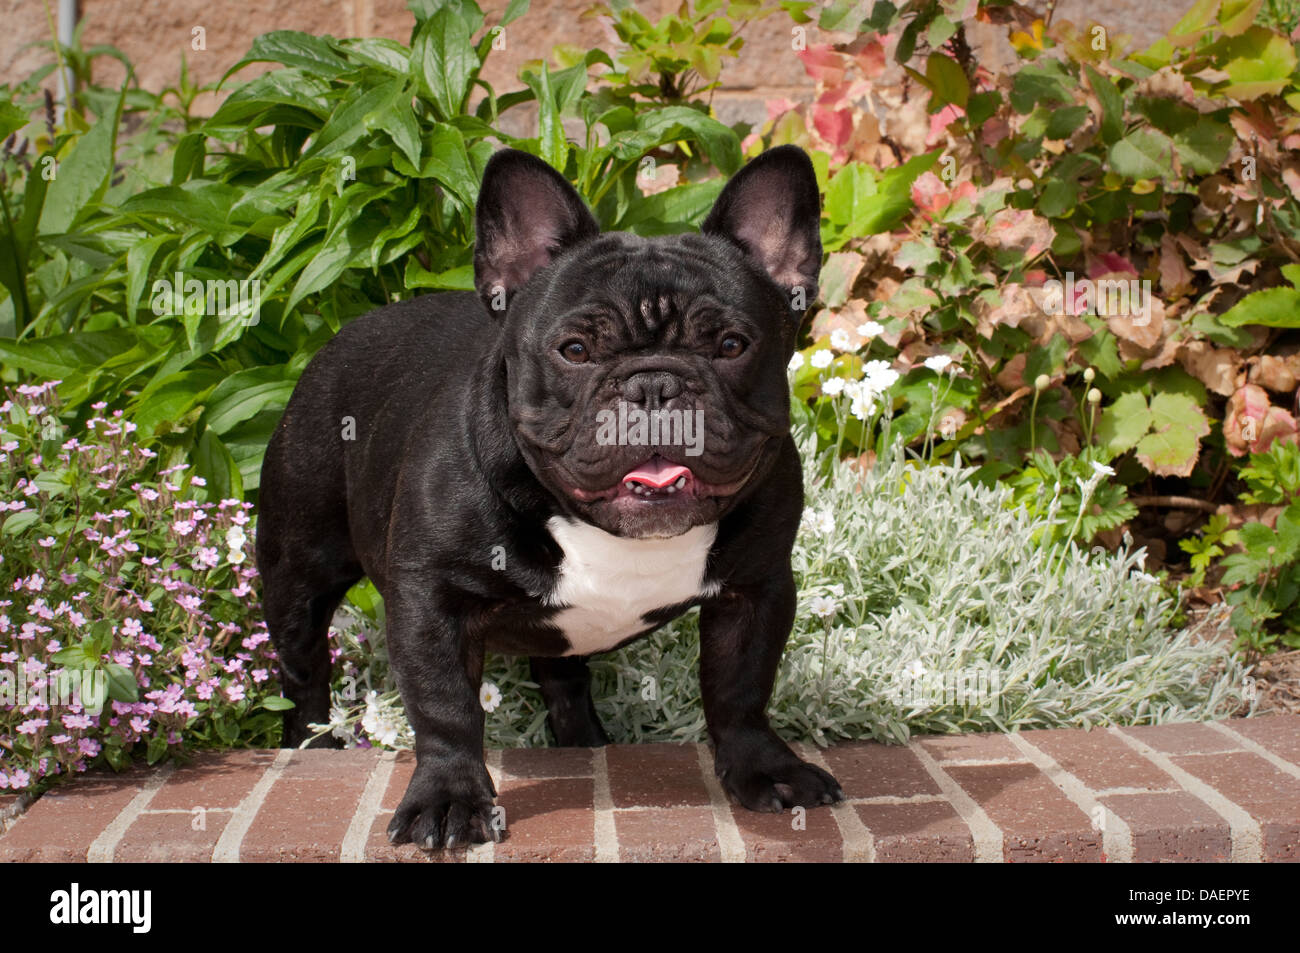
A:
(1225, 791)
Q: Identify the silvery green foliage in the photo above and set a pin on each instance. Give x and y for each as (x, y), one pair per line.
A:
(925, 606)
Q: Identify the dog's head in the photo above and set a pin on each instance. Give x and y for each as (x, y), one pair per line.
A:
(646, 377)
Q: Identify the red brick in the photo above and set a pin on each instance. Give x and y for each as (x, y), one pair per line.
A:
(64, 822)
(171, 838)
(549, 819)
(1271, 797)
(303, 820)
(876, 770)
(547, 762)
(1280, 734)
(1099, 759)
(773, 838)
(656, 776)
(670, 834)
(969, 747)
(923, 831)
(214, 779)
(1038, 822)
(324, 764)
(1172, 827)
(1182, 739)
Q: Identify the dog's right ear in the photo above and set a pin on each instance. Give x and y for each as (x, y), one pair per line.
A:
(527, 214)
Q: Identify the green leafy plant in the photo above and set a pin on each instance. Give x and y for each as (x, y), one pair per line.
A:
(1207, 546)
(1265, 575)
(928, 603)
(341, 180)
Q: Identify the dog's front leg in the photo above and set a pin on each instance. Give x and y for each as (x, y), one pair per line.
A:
(449, 801)
(742, 634)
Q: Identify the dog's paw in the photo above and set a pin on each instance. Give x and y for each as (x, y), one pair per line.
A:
(439, 811)
(774, 779)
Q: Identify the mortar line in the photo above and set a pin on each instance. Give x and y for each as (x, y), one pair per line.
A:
(858, 845)
(355, 840)
(730, 844)
(1255, 747)
(1247, 840)
(986, 837)
(1116, 836)
(232, 837)
(606, 831)
(102, 849)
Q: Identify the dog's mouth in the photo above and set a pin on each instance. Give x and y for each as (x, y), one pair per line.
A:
(659, 480)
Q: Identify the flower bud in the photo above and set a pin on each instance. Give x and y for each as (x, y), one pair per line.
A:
(1041, 382)
(1094, 396)
(1089, 375)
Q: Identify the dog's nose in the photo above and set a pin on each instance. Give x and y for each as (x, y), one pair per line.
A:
(651, 388)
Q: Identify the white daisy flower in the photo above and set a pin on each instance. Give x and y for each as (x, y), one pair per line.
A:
(796, 361)
(489, 696)
(871, 329)
(833, 386)
(840, 340)
(823, 607)
(822, 359)
(938, 362)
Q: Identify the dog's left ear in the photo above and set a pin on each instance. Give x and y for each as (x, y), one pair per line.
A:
(527, 213)
(772, 209)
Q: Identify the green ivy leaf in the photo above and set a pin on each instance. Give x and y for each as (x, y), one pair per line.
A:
(1174, 444)
(1124, 423)
(1143, 154)
(1272, 308)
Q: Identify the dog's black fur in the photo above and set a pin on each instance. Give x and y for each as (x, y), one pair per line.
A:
(474, 421)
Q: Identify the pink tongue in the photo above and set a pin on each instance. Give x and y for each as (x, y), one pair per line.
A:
(657, 472)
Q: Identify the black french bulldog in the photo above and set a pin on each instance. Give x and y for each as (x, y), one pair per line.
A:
(486, 461)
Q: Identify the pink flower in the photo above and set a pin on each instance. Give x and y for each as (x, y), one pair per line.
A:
(183, 527)
(235, 692)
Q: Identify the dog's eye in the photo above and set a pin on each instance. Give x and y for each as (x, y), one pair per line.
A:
(575, 352)
(733, 345)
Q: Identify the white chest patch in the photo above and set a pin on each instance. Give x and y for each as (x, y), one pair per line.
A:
(607, 583)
